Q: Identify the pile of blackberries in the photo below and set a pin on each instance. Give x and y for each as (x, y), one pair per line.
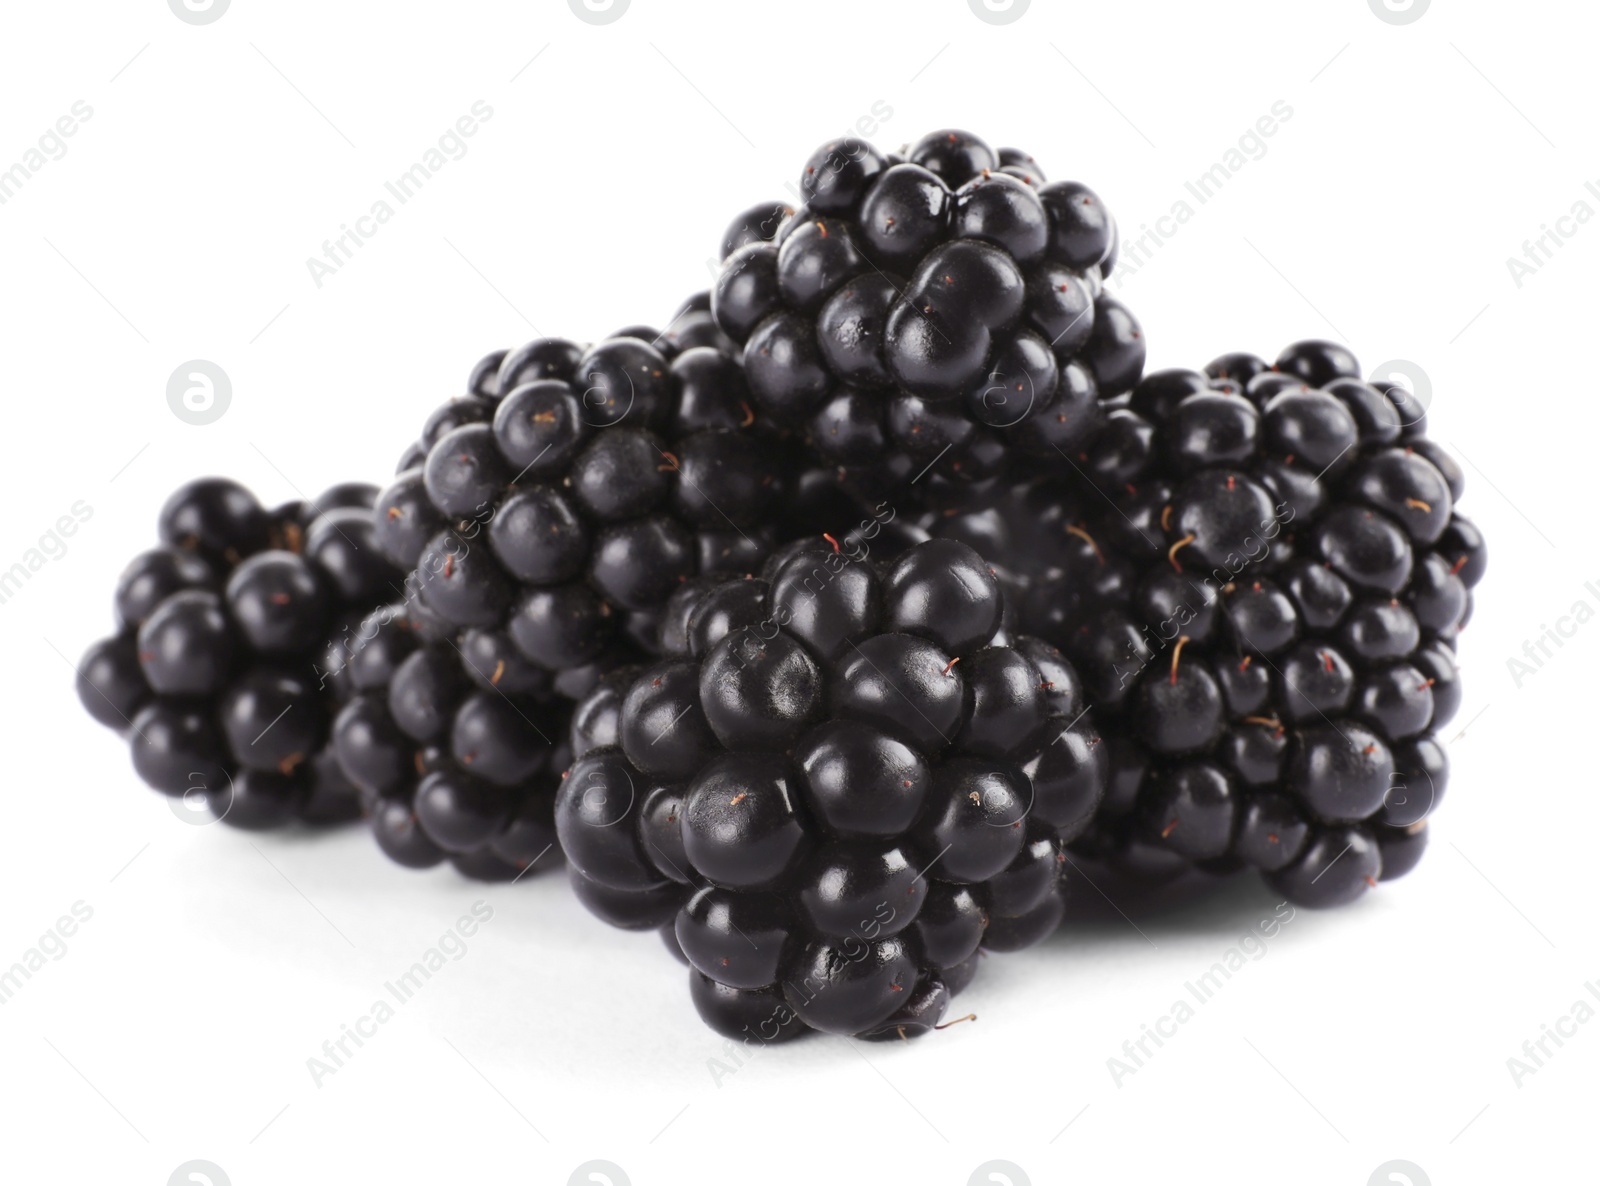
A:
(834, 629)
(840, 780)
(231, 635)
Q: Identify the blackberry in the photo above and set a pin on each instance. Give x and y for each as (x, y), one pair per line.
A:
(565, 498)
(455, 742)
(219, 672)
(1265, 617)
(549, 516)
(946, 304)
(842, 776)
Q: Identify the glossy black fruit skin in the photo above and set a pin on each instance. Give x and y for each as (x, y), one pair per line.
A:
(945, 592)
(956, 157)
(1180, 711)
(1082, 228)
(1400, 849)
(400, 836)
(905, 215)
(741, 825)
(760, 1015)
(664, 732)
(595, 809)
(272, 720)
(280, 603)
(1337, 866)
(1190, 808)
(1317, 362)
(404, 520)
(257, 800)
(153, 576)
(916, 1018)
(760, 692)
(1272, 831)
(1026, 930)
(864, 889)
(629, 910)
(1115, 351)
(903, 685)
(176, 748)
(851, 985)
(216, 517)
(110, 683)
(974, 823)
(1340, 772)
(501, 740)
(1322, 526)
(460, 812)
(188, 646)
(736, 939)
(859, 781)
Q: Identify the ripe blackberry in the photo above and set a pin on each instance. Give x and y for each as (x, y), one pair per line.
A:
(1264, 608)
(550, 514)
(947, 304)
(218, 673)
(454, 741)
(841, 777)
(565, 498)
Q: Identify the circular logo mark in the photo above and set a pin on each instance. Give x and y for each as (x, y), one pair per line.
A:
(1409, 799)
(998, 12)
(198, 12)
(1408, 388)
(199, 1173)
(601, 405)
(598, 1173)
(1399, 12)
(604, 805)
(199, 806)
(1399, 1173)
(1006, 400)
(598, 12)
(199, 392)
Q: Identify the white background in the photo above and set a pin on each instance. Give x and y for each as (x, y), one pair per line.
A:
(177, 226)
